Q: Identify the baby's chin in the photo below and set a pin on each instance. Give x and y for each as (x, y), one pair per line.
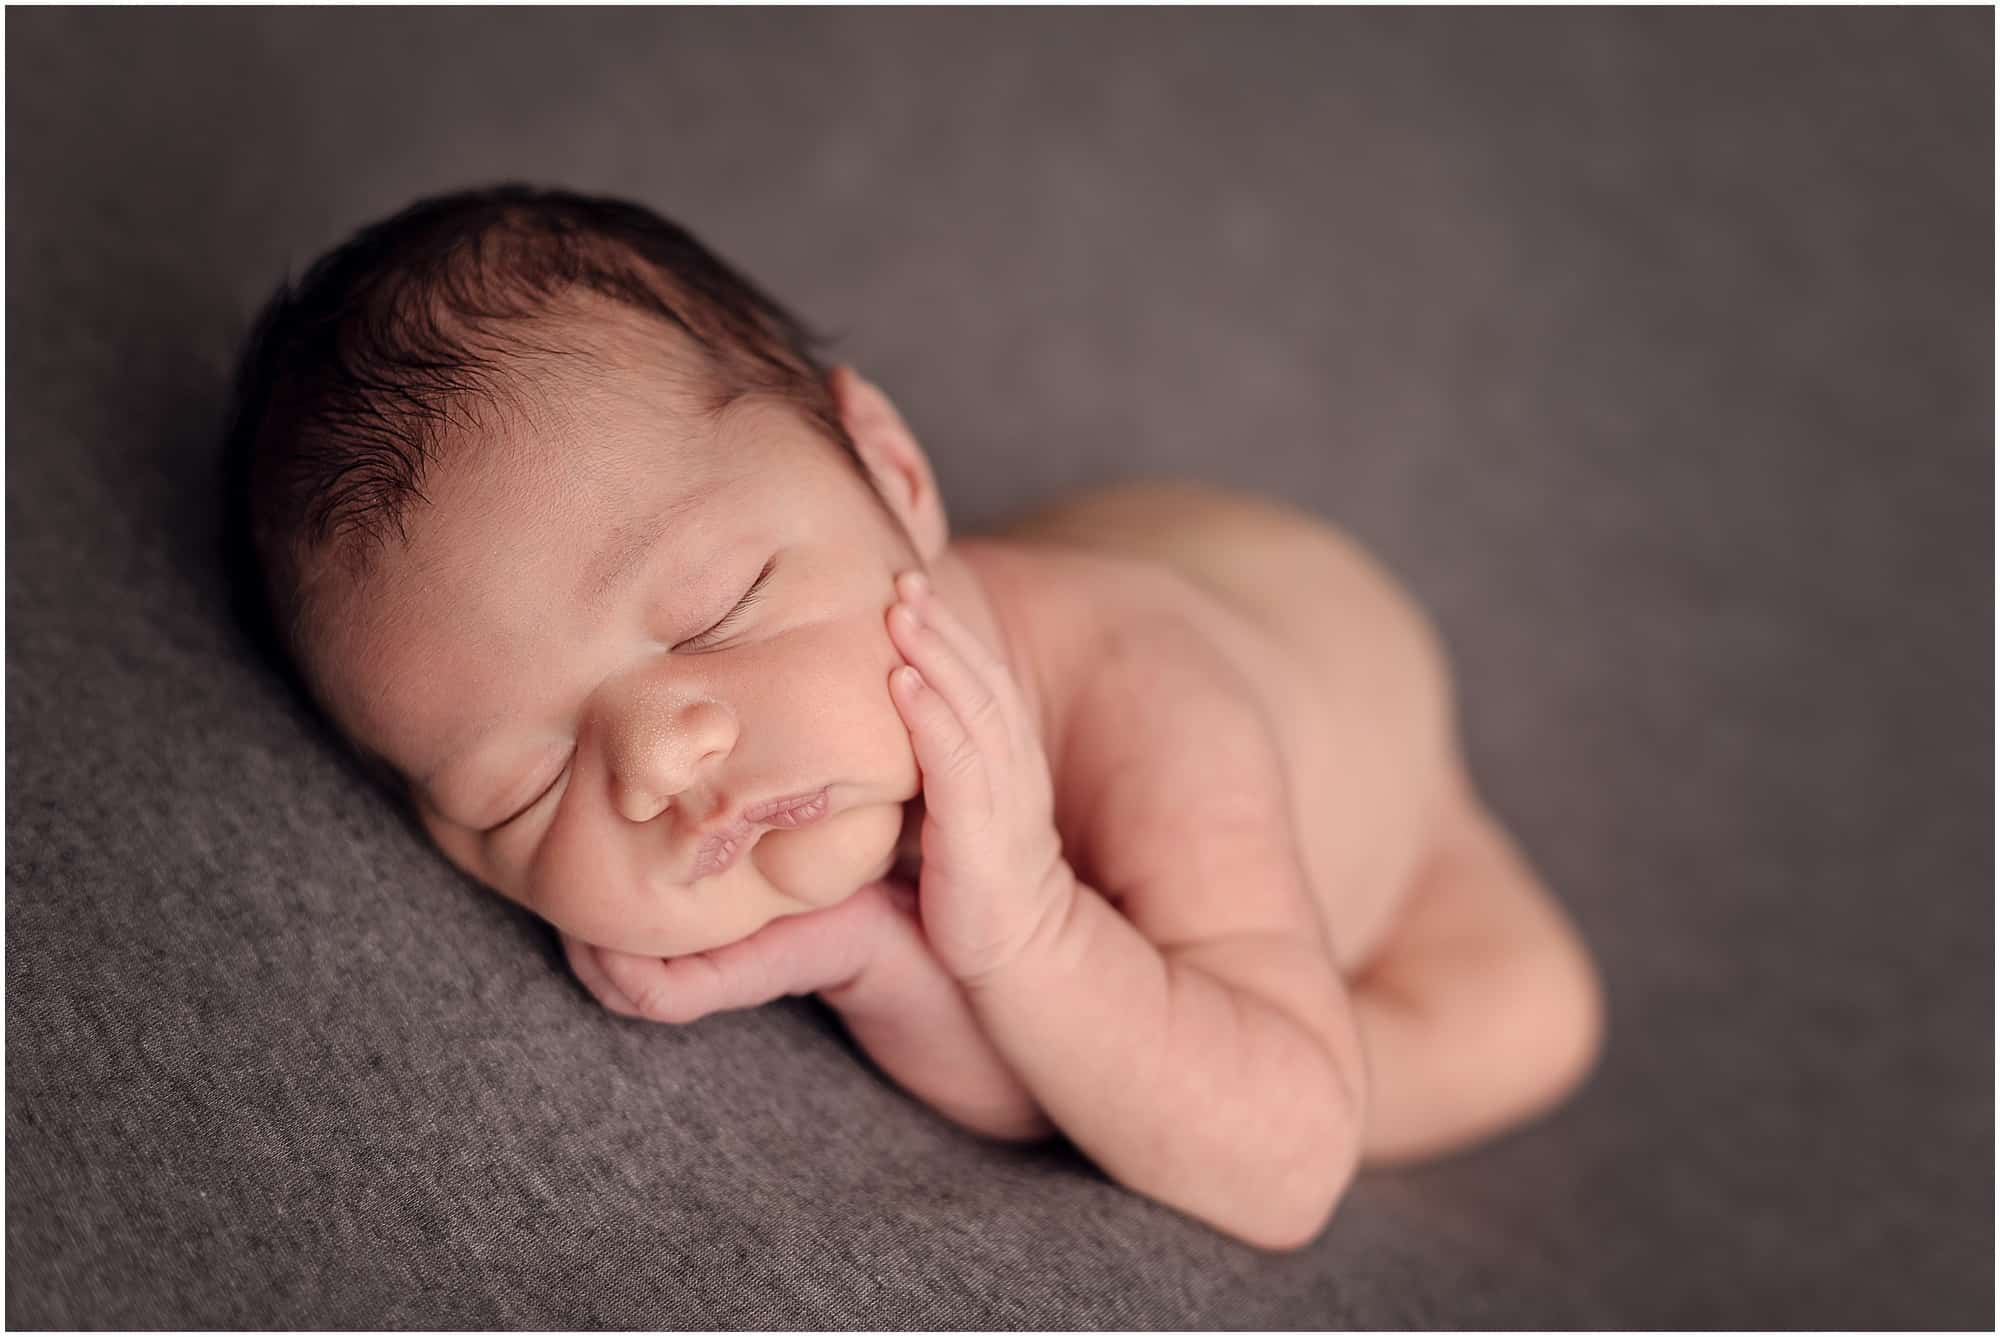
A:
(824, 864)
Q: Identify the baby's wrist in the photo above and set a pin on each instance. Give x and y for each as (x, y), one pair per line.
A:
(894, 947)
(1049, 942)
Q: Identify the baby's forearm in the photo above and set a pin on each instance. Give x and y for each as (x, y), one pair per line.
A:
(913, 1020)
(1180, 1086)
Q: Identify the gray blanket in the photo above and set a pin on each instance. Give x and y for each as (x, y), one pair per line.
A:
(1653, 349)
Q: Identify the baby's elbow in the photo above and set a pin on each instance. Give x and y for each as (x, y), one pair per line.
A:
(1302, 1193)
(1297, 1217)
(1286, 1234)
(1563, 1025)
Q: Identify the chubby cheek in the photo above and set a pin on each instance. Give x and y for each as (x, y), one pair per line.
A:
(824, 864)
(820, 709)
(824, 717)
(831, 719)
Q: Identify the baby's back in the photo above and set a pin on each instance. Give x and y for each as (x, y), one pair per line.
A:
(1263, 601)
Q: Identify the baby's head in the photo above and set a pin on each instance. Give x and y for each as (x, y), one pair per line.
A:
(565, 528)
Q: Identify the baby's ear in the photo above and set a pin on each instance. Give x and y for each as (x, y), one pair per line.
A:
(890, 451)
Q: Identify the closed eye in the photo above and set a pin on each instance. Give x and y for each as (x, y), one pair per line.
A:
(532, 803)
(729, 619)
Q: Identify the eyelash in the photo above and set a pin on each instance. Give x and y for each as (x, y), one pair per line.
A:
(729, 619)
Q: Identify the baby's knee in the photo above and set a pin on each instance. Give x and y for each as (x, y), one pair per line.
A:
(1562, 1016)
(1549, 984)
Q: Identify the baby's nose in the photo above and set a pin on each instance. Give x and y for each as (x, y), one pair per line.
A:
(660, 748)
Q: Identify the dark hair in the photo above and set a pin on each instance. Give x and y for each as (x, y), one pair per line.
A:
(350, 380)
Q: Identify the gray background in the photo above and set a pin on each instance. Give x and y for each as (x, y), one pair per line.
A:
(1653, 350)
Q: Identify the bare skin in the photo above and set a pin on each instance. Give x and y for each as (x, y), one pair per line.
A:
(1287, 936)
(1476, 1001)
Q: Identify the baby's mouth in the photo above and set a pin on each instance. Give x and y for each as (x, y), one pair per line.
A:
(721, 850)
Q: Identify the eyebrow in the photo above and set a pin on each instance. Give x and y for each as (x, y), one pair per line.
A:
(630, 541)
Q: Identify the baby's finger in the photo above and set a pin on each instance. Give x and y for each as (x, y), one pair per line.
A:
(954, 778)
(802, 953)
(583, 960)
(654, 992)
(955, 633)
(794, 954)
(944, 669)
(681, 989)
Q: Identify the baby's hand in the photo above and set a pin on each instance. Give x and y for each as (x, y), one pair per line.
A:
(797, 954)
(993, 869)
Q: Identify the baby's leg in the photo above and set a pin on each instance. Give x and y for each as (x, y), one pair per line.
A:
(1482, 1008)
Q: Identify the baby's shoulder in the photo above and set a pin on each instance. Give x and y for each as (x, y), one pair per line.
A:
(1113, 639)
(1160, 727)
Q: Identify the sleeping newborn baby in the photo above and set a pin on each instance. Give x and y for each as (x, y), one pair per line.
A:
(1142, 820)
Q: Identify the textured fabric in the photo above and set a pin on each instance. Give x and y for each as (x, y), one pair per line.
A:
(1653, 349)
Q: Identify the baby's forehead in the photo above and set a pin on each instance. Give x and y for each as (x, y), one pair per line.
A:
(532, 519)
(494, 579)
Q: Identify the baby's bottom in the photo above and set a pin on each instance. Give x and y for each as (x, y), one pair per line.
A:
(1481, 1008)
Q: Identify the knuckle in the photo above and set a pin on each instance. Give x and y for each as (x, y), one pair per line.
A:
(658, 1004)
(982, 709)
(608, 995)
(963, 759)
